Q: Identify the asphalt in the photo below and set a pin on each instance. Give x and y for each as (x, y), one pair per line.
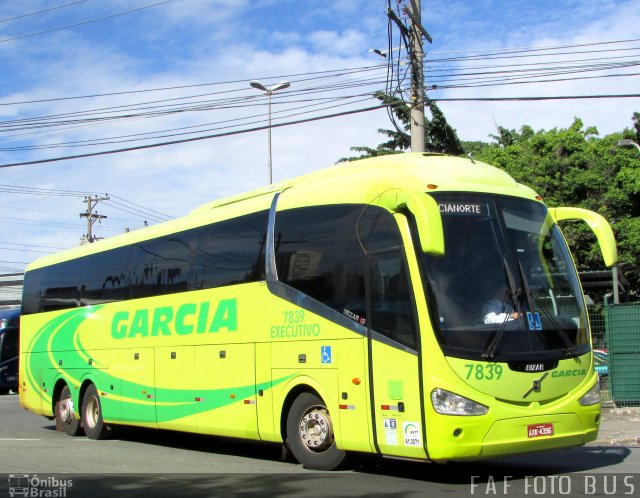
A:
(619, 427)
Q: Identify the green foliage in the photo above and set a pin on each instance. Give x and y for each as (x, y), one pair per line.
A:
(574, 167)
(439, 135)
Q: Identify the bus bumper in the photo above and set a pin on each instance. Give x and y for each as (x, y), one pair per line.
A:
(509, 436)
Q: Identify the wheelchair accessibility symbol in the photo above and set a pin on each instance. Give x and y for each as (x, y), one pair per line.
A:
(326, 354)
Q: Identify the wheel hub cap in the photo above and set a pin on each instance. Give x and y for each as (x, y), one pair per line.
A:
(315, 429)
(66, 410)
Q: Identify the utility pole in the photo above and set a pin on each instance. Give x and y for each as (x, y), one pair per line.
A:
(92, 217)
(416, 57)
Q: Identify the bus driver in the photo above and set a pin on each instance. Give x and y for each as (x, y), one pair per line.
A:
(499, 308)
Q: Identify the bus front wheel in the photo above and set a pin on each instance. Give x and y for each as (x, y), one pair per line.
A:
(310, 434)
(94, 426)
(65, 413)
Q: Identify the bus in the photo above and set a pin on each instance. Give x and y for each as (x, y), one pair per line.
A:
(9, 331)
(340, 311)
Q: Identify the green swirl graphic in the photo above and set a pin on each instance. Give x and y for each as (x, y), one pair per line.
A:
(62, 336)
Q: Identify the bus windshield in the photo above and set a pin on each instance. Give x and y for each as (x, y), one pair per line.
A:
(506, 288)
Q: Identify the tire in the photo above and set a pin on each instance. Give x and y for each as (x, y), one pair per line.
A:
(310, 434)
(94, 426)
(66, 414)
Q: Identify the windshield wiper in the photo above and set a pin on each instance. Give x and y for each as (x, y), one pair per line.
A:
(494, 341)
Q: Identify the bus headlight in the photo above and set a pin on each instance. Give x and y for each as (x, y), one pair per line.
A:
(448, 403)
(592, 397)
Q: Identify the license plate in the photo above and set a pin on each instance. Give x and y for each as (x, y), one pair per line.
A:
(540, 430)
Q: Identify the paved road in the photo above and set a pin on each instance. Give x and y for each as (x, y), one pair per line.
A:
(162, 463)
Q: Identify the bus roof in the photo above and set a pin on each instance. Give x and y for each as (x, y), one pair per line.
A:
(349, 182)
(402, 171)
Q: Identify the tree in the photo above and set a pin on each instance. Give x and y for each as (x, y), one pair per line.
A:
(439, 135)
(574, 167)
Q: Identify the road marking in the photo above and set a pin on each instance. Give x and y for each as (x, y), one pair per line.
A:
(19, 439)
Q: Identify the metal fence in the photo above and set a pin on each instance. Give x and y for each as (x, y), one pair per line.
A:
(10, 289)
(616, 340)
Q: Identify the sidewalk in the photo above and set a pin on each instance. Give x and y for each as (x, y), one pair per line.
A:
(619, 427)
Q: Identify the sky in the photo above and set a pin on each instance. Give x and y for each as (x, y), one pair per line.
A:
(82, 77)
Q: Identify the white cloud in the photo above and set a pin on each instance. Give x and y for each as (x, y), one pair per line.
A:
(345, 43)
(202, 41)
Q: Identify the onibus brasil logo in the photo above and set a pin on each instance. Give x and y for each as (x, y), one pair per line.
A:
(34, 486)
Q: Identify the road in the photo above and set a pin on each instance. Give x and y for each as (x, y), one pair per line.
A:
(163, 463)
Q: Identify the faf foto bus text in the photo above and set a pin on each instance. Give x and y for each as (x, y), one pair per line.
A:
(586, 484)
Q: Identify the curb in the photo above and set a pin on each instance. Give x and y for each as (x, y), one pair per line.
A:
(621, 442)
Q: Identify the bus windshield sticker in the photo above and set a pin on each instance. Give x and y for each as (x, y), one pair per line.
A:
(534, 320)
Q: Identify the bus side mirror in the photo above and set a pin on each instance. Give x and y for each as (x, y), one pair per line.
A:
(427, 214)
(598, 225)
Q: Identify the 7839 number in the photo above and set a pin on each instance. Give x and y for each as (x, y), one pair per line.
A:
(480, 371)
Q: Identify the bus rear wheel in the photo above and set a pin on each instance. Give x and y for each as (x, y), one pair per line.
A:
(66, 415)
(94, 426)
(310, 434)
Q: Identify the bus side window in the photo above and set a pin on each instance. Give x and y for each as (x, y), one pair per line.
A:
(230, 252)
(60, 287)
(318, 253)
(105, 277)
(392, 309)
(161, 265)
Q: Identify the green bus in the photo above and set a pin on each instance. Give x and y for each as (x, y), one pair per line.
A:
(417, 306)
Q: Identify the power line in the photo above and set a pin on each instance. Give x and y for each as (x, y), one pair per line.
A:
(307, 120)
(33, 245)
(547, 47)
(327, 103)
(137, 209)
(244, 102)
(519, 54)
(148, 216)
(530, 99)
(289, 77)
(28, 221)
(192, 139)
(17, 189)
(22, 249)
(496, 77)
(140, 105)
(342, 71)
(138, 205)
(42, 11)
(527, 81)
(84, 22)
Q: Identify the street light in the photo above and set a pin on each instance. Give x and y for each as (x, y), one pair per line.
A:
(269, 91)
(625, 142)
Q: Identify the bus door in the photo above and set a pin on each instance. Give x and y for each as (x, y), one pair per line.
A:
(393, 345)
